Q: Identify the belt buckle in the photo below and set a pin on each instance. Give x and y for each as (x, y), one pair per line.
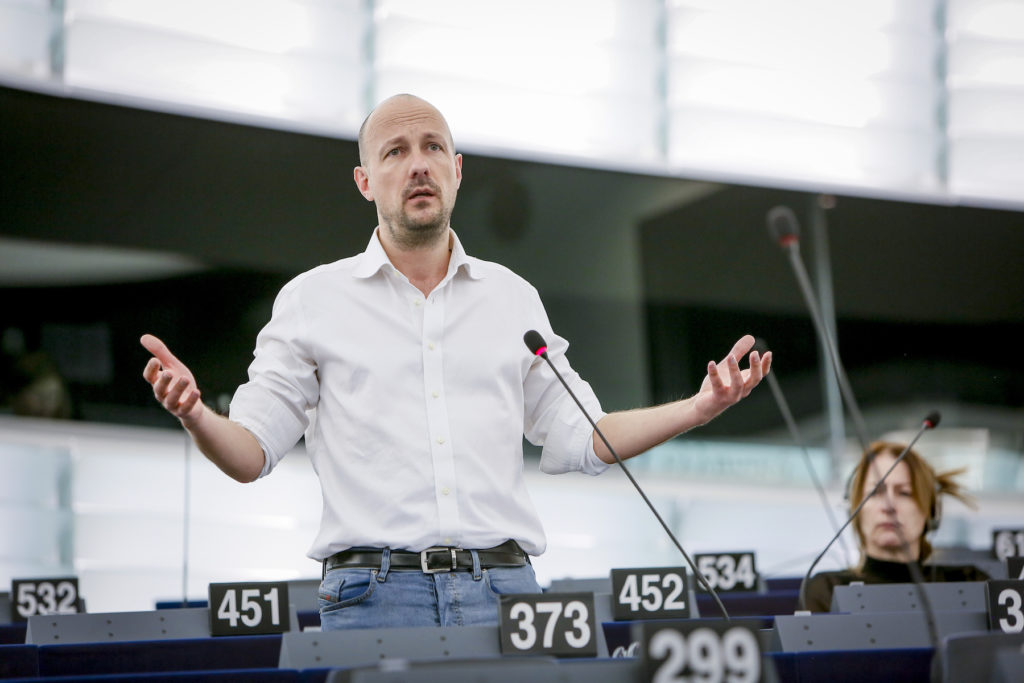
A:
(437, 549)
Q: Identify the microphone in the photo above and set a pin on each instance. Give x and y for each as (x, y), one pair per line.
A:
(930, 421)
(538, 347)
(787, 416)
(783, 227)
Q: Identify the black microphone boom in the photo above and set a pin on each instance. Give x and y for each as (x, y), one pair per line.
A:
(535, 342)
(794, 431)
(782, 225)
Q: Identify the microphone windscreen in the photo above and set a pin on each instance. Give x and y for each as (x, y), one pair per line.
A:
(932, 419)
(534, 341)
(782, 225)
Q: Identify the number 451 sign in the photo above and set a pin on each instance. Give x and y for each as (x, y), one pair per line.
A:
(248, 608)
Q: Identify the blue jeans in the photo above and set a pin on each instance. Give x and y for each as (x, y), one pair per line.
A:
(382, 597)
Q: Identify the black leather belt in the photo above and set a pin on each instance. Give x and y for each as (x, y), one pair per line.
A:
(432, 560)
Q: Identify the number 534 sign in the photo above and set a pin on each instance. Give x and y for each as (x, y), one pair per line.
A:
(726, 572)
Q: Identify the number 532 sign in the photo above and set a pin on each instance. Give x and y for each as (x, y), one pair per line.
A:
(31, 597)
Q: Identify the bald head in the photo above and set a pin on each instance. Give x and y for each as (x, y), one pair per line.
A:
(396, 109)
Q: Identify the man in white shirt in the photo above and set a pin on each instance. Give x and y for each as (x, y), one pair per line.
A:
(404, 368)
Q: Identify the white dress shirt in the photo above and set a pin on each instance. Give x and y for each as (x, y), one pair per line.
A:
(414, 408)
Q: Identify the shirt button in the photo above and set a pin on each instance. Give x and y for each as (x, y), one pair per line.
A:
(447, 541)
(418, 302)
(435, 394)
(430, 346)
(440, 439)
(445, 491)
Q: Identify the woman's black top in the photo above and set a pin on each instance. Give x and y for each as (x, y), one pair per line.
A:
(819, 588)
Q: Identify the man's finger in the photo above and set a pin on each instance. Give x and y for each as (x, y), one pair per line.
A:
(735, 377)
(158, 349)
(175, 392)
(189, 403)
(740, 348)
(756, 368)
(713, 376)
(151, 371)
(160, 386)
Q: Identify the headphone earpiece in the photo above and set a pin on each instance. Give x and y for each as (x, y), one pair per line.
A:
(848, 488)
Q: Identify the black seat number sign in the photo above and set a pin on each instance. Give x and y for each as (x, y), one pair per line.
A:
(31, 597)
(1006, 606)
(249, 608)
(653, 593)
(728, 572)
(1007, 543)
(701, 650)
(1015, 567)
(553, 624)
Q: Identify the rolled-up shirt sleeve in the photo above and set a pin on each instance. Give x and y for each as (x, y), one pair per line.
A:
(553, 420)
(283, 386)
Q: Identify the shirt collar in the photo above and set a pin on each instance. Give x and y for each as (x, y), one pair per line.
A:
(374, 258)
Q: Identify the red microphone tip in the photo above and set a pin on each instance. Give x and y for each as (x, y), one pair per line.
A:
(541, 351)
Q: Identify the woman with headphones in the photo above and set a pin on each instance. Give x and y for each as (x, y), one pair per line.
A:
(892, 526)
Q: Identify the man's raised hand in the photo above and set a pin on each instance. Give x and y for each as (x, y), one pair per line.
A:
(173, 384)
(725, 384)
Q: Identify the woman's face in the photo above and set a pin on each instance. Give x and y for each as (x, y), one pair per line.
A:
(891, 516)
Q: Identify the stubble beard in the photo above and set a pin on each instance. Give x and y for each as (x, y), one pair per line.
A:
(409, 233)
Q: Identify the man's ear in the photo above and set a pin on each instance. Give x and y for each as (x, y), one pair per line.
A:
(458, 170)
(363, 182)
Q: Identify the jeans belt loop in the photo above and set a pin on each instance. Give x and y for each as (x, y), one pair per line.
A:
(477, 573)
(385, 565)
(438, 549)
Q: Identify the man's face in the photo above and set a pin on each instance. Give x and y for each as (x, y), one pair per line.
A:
(892, 513)
(410, 170)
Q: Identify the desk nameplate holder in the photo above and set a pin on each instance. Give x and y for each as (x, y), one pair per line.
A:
(507, 670)
(366, 647)
(595, 585)
(974, 656)
(120, 627)
(904, 597)
(303, 594)
(877, 631)
(5, 607)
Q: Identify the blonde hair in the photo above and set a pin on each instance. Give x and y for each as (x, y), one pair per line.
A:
(927, 485)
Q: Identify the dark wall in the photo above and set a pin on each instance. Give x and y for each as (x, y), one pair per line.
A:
(928, 297)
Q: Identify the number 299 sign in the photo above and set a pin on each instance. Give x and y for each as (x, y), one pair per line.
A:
(248, 608)
(705, 650)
